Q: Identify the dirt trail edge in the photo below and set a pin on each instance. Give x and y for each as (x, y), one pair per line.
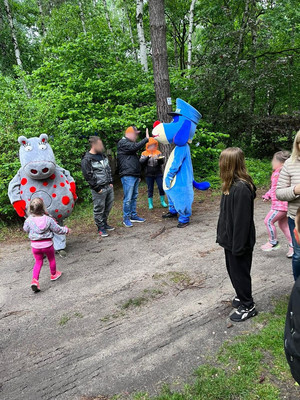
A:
(146, 305)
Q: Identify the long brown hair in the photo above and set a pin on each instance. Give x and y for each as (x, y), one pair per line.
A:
(233, 168)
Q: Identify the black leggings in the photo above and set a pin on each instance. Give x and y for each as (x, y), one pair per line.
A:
(239, 268)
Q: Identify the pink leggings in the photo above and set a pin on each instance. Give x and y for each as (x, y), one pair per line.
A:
(39, 255)
(282, 219)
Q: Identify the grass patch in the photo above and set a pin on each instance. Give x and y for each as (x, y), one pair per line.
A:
(64, 319)
(148, 294)
(172, 276)
(115, 315)
(179, 280)
(250, 367)
(134, 302)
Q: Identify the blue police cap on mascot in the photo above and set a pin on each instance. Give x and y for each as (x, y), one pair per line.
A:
(178, 176)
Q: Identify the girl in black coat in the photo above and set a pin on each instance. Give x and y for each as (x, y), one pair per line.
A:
(236, 230)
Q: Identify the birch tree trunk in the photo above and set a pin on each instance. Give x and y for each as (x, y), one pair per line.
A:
(15, 42)
(125, 8)
(39, 3)
(190, 34)
(141, 34)
(13, 34)
(242, 29)
(107, 15)
(82, 17)
(3, 46)
(160, 63)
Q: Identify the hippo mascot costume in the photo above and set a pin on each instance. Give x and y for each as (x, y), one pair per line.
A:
(40, 176)
(178, 176)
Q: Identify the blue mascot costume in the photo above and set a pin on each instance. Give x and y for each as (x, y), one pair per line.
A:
(178, 176)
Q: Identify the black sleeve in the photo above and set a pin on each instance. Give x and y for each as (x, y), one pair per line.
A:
(242, 211)
(144, 159)
(89, 176)
(129, 147)
(111, 181)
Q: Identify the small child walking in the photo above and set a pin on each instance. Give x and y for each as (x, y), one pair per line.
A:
(40, 228)
(278, 212)
(153, 159)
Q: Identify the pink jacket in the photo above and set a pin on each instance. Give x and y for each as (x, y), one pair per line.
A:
(41, 228)
(271, 194)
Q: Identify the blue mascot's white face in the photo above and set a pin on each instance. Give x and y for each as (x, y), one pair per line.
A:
(36, 157)
(182, 129)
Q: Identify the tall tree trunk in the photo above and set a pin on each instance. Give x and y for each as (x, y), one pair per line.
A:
(176, 62)
(107, 15)
(51, 6)
(243, 29)
(253, 60)
(82, 17)
(41, 11)
(141, 33)
(15, 42)
(190, 34)
(3, 46)
(160, 62)
(125, 8)
(13, 34)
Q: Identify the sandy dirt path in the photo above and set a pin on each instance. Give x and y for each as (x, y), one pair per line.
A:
(130, 312)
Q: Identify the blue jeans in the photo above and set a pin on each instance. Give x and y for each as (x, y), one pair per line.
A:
(131, 191)
(296, 256)
(150, 183)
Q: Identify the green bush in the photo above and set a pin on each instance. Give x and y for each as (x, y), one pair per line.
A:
(260, 171)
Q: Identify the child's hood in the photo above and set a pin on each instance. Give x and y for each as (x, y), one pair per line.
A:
(148, 151)
(41, 223)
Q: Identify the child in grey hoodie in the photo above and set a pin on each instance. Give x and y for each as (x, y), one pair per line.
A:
(40, 228)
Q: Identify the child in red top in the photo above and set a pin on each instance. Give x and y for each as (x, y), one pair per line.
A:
(278, 212)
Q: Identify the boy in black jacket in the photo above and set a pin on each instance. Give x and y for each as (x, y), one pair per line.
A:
(97, 172)
(236, 230)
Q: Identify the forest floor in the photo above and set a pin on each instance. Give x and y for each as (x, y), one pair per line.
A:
(136, 310)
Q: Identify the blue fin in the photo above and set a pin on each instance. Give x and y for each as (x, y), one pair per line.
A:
(201, 185)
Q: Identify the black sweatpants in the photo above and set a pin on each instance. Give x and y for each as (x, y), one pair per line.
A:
(239, 268)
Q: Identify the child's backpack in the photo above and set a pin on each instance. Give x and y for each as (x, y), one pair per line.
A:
(292, 332)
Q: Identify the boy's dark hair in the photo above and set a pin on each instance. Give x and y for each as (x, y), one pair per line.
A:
(93, 140)
(282, 156)
(37, 207)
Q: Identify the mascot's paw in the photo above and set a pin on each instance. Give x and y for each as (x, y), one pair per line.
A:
(201, 185)
(73, 190)
(20, 207)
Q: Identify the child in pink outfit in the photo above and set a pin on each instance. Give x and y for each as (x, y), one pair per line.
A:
(40, 228)
(278, 212)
